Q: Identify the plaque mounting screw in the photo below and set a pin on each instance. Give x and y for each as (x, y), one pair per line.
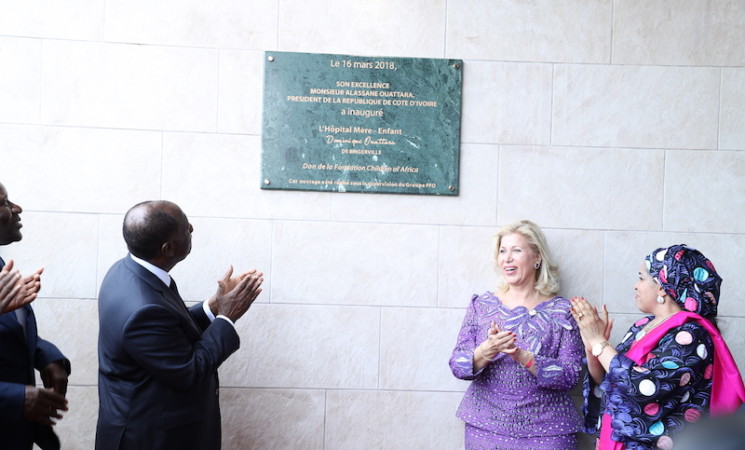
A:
(267, 182)
(451, 188)
(270, 59)
(456, 66)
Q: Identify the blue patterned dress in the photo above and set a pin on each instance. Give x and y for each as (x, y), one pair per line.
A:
(648, 403)
(505, 401)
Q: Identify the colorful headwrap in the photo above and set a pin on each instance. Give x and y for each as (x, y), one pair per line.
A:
(688, 277)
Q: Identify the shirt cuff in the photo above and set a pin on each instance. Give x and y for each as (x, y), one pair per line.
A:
(208, 311)
(220, 316)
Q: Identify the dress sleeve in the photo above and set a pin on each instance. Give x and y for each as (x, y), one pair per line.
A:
(562, 372)
(662, 394)
(461, 361)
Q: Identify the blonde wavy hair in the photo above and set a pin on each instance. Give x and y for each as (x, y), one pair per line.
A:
(547, 275)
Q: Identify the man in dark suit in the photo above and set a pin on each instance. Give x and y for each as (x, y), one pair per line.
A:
(27, 413)
(158, 359)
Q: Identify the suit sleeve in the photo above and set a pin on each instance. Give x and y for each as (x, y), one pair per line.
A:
(155, 338)
(11, 401)
(46, 353)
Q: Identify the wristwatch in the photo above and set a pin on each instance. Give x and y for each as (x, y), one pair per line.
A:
(598, 348)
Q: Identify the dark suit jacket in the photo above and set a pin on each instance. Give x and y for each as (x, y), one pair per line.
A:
(19, 356)
(158, 360)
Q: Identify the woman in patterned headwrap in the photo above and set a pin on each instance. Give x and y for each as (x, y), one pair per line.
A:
(671, 367)
(521, 347)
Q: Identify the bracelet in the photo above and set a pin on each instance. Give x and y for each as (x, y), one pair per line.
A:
(531, 359)
(481, 351)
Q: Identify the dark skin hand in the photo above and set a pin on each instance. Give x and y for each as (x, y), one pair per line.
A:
(15, 290)
(43, 405)
(233, 299)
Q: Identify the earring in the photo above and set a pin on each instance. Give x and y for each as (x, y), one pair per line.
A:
(537, 265)
(660, 299)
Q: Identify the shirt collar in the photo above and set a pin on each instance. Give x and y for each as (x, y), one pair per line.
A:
(155, 270)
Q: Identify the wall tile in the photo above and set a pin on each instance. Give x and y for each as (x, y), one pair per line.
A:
(72, 325)
(354, 264)
(629, 106)
(219, 175)
(219, 243)
(392, 420)
(412, 356)
(557, 31)
(413, 28)
(705, 191)
(111, 245)
(272, 418)
(306, 347)
(686, 33)
(226, 23)
(506, 103)
(732, 116)
(476, 203)
(581, 187)
(241, 90)
(129, 86)
(466, 265)
(21, 63)
(72, 19)
(77, 429)
(579, 254)
(65, 246)
(76, 169)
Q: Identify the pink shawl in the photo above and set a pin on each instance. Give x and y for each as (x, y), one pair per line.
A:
(727, 389)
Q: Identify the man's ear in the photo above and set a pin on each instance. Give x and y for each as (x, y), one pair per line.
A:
(166, 249)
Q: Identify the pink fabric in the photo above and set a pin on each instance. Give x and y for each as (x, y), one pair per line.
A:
(727, 389)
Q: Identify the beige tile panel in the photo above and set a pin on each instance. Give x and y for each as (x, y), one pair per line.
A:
(299, 346)
(354, 264)
(77, 429)
(72, 325)
(218, 244)
(579, 254)
(732, 116)
(543, 30)
(393, 420)
(264, 419)
(506, 103)
(476, 203)
(679, 32)
(73, 19)
(414, 28)
(241, 92)
(64, 245)
(632, 106)
(705, 191)
(78, 169)
(129, 86)
(466, 265)
(111, 246)
(625, 252)
(21, 63)
(416, 344)
(219, 176)
(227, 23)
(581, 187)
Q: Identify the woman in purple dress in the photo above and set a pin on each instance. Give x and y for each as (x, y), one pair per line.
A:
(671, 368)
(522, 349)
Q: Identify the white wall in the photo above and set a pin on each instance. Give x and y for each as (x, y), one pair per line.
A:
(618, 126)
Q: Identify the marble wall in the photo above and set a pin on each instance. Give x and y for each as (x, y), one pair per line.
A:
(618, 126)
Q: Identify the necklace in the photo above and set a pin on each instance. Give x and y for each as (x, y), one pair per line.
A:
(649, 327)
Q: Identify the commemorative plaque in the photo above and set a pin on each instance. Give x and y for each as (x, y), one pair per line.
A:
(361, 124)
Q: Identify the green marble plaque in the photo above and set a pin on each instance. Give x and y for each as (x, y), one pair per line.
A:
(361, 124)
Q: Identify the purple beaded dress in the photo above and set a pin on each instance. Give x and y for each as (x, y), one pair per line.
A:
(506, 406)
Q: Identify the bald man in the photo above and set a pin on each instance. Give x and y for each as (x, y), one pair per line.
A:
(158, 359)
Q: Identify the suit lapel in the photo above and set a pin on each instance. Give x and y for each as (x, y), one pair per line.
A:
(172, 299)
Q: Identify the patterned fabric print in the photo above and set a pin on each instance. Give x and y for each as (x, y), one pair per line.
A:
(649, 403)
(505, 398)
(478, 439)
(688, 277)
